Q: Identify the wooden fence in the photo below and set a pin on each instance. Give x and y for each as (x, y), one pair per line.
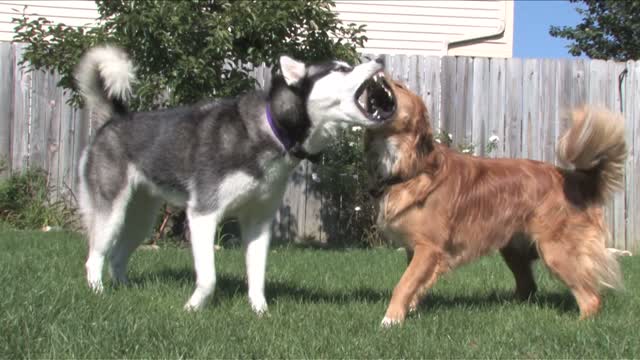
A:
(521, 101)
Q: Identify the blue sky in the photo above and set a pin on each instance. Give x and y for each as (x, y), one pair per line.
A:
(533, 18)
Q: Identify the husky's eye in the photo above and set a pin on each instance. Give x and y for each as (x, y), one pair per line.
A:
(343, 68)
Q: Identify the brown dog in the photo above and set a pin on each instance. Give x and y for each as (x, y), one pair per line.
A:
(449, 208)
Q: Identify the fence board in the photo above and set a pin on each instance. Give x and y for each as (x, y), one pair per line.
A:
(625, 87)
(40, 121)
(564, 86)
(599, 91)
(632, 110)
(531, 109)
(399, 68)
(580, 81)
(54, 135)
(612, 101)
(597, 94)
(497, 108)
(448, 95)
(480, 106)
(513, 124)
(429, 87)
(21, 113)
(312, 224)
(522, 102)
(65, 146)
(413, 78)
(464, 79)
(549, 114)
(7, 63)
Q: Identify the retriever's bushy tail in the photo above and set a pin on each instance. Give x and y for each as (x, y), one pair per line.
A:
(104, 77)
(596, 142)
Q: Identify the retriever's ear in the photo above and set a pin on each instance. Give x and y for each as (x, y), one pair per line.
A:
(423, 144)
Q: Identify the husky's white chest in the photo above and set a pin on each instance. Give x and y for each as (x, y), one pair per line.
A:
(241, 192)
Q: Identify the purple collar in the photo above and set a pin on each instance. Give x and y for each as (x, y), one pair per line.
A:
(286, 142)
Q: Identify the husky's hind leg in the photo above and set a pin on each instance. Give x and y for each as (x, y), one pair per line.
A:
(138, 221)
(105, 225)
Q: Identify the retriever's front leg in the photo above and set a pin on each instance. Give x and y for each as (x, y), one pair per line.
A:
(417, 278)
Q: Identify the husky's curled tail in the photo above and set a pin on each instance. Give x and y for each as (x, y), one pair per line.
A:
(595, 143)
(104, 77)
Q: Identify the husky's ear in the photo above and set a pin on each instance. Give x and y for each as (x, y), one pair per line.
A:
(292, 70)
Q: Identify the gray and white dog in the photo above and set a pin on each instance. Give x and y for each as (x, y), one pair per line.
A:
(220, 159)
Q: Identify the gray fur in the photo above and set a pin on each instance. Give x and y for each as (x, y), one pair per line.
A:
(177, 148)
(219, 159)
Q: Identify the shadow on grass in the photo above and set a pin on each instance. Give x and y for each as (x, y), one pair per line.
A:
(561, 302)
(229, 286)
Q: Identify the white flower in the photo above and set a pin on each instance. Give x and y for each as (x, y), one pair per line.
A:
(438, 140)
(466, 151)
(352, 144)
(315, 177)
(355, 176)
(357, 208)
(494, 139)
(356, 128)
(450, 136)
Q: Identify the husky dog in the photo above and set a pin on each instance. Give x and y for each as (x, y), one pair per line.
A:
(220, 159)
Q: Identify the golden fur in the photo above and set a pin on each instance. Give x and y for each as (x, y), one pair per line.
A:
(449, 208)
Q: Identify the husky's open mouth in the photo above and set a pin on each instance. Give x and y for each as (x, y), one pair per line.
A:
(375, 98)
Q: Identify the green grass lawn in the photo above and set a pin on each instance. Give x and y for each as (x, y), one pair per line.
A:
(323, 304)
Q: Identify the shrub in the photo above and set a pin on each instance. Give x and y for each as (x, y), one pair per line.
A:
(342, 181)
(25, 203)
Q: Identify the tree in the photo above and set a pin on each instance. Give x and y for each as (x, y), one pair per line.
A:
(194, 49)
(610, 29)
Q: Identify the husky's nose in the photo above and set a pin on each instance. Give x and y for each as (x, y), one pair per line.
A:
(379, 60)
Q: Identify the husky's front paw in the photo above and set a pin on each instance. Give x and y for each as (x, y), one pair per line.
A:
(96, 287)
(192, 307)
(195, 303)
(259, 305)
(389, 322)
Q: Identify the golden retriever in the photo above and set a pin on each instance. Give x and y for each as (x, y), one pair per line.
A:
(449, 208)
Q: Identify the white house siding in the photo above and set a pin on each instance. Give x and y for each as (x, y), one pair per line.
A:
(393, 26)
(426, 27)
(73, 13)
